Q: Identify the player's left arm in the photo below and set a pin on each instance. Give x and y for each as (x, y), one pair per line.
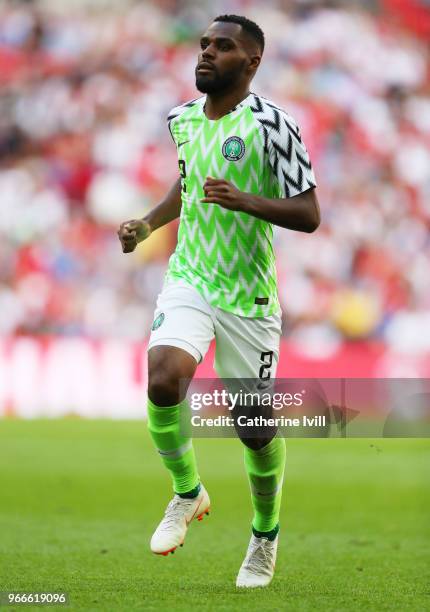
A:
(300, 212)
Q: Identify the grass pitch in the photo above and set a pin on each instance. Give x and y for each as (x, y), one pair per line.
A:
(79, 501)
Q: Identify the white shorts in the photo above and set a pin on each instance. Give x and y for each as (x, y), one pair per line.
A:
(245, 347)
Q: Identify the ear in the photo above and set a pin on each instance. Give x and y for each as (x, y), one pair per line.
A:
(254, 62)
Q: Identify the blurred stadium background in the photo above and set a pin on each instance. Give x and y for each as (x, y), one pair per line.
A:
(85, 90)
(85, 87)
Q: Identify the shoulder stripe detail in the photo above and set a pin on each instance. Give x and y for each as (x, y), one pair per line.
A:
(283, 144)
(271, 104)
(294, 132)
(178, 110)
(258, 108)
(303, 161)
(291, 182)
(287, 153)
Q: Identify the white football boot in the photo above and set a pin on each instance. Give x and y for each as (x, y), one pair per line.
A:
(170, 533)
(258, 566)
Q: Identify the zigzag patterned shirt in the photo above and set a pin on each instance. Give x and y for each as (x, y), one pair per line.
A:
(226, 255)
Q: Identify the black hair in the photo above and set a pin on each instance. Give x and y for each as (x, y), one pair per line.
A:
(250, 27)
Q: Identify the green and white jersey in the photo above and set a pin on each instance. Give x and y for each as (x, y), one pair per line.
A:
(228, 256)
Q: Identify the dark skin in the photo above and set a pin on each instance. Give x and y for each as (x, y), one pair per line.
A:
(231, 57)
(300, 213)
(226, 47)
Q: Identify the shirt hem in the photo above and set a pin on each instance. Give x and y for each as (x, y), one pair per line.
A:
(274, 308)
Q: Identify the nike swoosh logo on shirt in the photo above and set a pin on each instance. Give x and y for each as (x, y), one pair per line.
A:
(182, 143)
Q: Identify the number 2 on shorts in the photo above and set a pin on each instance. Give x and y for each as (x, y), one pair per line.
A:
(266, 358)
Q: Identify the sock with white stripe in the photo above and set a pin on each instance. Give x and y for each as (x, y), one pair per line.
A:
(265, 468)
(176, 450)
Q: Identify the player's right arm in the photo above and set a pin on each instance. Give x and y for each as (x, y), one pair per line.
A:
(134, 231)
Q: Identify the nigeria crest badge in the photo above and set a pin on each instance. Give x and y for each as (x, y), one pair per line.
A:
(234, 148)
(158, 321)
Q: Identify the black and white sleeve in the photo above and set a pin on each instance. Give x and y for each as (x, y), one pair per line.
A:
(176, 112)
(284, 147)
(289, 159)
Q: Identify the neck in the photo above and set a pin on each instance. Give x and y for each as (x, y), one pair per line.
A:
(219, 104)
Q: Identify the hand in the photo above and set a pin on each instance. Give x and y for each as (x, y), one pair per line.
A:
(132, 232)
(224, 193)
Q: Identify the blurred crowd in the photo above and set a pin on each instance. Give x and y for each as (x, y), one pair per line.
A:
(84, 145)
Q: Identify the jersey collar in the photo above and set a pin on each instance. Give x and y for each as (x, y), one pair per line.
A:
(239, 105)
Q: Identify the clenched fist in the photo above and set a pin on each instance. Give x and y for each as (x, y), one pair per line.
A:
(132, 232)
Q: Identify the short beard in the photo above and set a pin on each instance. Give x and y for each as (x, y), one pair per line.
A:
(216, 83)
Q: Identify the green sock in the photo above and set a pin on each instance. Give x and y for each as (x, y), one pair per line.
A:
(176, 450)
(270, 535)
(265, 468)
(190, 494)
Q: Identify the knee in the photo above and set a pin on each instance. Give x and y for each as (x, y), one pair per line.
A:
(257, 443)
(170, 371)
(163, 388)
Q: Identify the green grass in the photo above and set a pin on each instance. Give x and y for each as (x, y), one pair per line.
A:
(79, 501)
